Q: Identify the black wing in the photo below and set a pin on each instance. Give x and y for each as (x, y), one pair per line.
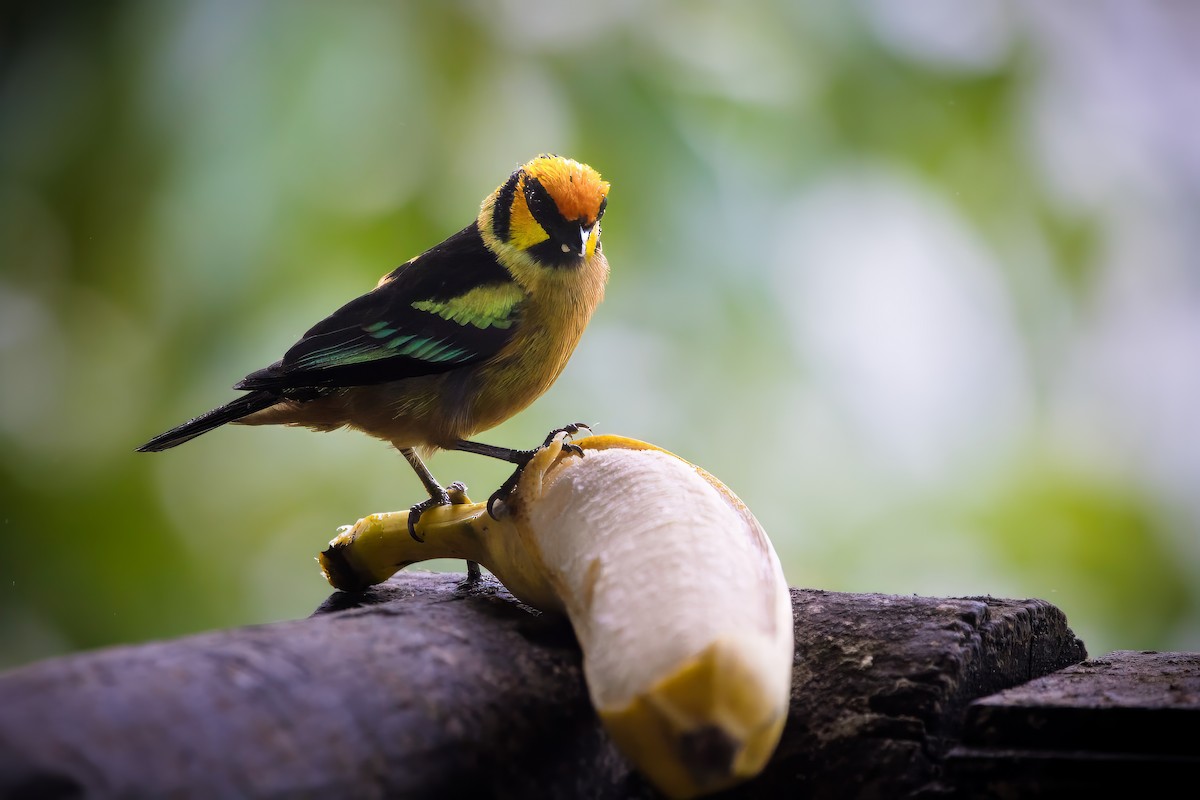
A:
(452, 306)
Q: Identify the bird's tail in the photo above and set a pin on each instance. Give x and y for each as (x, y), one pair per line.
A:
(230, 412)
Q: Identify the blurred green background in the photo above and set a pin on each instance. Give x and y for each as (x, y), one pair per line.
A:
(919, 281)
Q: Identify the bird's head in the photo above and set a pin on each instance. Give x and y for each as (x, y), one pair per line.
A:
(549, 210)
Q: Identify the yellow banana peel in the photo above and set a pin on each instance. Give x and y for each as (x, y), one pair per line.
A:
(675, 592)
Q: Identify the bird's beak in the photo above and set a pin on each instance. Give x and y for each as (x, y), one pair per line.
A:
(585, 236)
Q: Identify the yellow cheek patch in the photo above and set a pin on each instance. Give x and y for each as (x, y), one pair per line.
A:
(576, 188)
(524, 231)
(491, 306)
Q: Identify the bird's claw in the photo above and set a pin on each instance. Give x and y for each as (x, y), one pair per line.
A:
(506, 488)
(570, 429)
(414, 513)
(524, 456)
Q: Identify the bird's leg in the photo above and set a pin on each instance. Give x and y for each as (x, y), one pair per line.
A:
(437, 495)
(454, 493)
(458, 496)
(518, 457)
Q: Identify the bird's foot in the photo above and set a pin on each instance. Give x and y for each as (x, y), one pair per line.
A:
(570, 429)
(506, 488)
(457, 492)
(453, 494)
(458, 496)
(521, 459)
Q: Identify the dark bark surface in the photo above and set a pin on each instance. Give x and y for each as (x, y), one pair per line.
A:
(428, 687)
(880, 683)
(1125, 722)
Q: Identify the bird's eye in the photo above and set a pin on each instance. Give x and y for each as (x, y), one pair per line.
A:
(603, 205)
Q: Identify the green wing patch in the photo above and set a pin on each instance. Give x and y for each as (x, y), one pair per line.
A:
(424, 349)
(491, 306)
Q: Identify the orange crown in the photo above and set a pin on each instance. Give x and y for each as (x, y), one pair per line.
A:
(577, 189)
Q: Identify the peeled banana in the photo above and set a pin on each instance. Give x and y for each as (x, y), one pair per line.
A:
(675, 592)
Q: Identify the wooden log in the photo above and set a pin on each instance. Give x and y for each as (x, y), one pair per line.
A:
(880, 683)
(1125, 722)
(426, 686)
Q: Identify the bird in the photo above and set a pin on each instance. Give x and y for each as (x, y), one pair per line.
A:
(452, 342)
